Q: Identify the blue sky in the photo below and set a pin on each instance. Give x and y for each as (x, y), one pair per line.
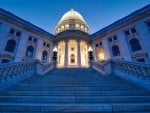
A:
(47, 13)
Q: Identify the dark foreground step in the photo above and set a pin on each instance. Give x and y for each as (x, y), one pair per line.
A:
(73, 88)
(75, 93)
(75, 99)
(73, 108)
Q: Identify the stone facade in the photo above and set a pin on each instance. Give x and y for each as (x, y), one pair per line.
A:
(126, 39)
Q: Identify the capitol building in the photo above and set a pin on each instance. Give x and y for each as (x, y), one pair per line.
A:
(74, 71)
(72, 45)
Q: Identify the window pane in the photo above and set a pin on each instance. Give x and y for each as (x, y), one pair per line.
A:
(127, 32)
(133, 30)
(30, 38)
(18, 33)
(12, 31)
(135, 45)
(10, 46)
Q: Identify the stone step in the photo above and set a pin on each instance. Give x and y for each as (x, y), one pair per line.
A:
(75, 99)
(74, 108)
(80, 88)
(72, 85)
(77, 112)
(75, 93)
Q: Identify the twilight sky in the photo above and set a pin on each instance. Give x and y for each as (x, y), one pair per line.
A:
(47, 13)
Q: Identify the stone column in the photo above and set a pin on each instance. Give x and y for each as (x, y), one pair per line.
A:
(144, 34)
(66, 54)
(51, 51)
(107, 50)
(4, 29)
(38, 54)
(21, 49)
(123, 46)
(78, 53)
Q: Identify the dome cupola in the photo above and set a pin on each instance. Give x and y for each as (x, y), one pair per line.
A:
(72, 20)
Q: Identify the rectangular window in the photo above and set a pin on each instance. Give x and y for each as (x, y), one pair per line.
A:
(127, 32)
(133, 30)
(12, 31)
(141, 60)
(5, 61)
(72, 49)
(96, 45)
(48, 45)
(44, 44)
(110, 39)
(148, 24)
(35, 40)
(18, 33)
(100, 43)
(115, 37)
(30, 38)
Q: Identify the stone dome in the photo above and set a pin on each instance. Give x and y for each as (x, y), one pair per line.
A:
(72, 20)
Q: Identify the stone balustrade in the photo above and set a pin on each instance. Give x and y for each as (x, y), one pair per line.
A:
(43, 68)
(8, 71)
(13, 72)
(102, 67)
(139, 70)
(133, 71)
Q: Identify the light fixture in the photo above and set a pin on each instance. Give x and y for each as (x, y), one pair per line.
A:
(90, 49)
(55, 49)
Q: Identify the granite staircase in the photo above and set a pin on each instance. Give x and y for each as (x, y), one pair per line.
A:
(74, 91)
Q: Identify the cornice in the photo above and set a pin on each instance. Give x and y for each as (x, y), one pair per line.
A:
(11, 18)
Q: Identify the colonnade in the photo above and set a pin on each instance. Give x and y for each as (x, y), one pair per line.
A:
(72, 53)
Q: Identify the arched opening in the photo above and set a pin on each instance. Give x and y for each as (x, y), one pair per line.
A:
(135, 45)
(72, 53)
(10, 46)
(29, 51)
(72, 58)
(44, 55)
(115, 50)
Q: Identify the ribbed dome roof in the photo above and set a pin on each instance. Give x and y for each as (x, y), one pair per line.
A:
(72, 14)
(72, 20)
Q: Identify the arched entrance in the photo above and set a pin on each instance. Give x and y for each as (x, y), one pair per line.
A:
(72, 59)
(72, 53)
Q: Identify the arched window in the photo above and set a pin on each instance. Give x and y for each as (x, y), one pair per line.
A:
(10, 46)
(115, 50)
(72, 58)
(44, 55)
(135, 45)
(30, 51)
